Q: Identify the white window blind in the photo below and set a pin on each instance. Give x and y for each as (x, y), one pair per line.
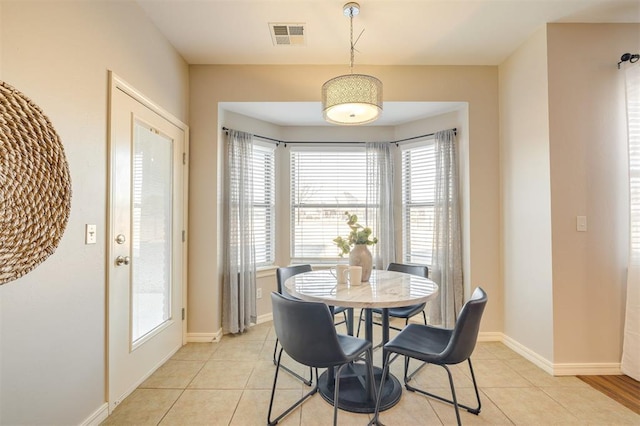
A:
(325, 182)
(264, 203)
(418, 191)
(633, 117)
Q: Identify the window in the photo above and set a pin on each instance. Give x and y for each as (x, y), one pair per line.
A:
(264, 203)
(418, 192)
(326, 182)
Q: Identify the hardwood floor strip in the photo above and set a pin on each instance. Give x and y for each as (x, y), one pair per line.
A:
(622, 389)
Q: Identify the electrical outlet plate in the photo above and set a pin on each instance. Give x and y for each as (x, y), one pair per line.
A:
(581, 224)
(90, 236)
(259, 293)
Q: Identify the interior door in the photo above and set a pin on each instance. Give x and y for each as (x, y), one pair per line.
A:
(146, 249)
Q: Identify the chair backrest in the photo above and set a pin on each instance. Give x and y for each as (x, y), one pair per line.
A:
(287, 272)
(465, 333)
(306, 332)
(421, 271)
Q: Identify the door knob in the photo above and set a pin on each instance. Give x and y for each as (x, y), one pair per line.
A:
(122, 260)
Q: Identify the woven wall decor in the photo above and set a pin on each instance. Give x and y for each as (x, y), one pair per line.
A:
(35, 187)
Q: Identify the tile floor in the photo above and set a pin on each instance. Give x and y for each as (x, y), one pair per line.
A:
(229, 383)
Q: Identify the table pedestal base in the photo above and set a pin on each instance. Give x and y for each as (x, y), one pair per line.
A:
(353, 394)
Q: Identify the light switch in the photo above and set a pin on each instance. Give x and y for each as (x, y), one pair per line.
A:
(90, 236)
(581, 223)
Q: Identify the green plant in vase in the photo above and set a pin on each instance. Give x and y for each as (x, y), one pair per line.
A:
(355, 245)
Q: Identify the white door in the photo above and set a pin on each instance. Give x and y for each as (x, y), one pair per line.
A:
(146, 230)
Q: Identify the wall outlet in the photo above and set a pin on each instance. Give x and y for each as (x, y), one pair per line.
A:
(90, 236)
(581, 224)
(259, 293)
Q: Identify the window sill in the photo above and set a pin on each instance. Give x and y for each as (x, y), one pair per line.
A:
(266, 271)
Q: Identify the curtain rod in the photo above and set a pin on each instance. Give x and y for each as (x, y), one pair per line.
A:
(278, 141)
(455, 132)
(628, 57)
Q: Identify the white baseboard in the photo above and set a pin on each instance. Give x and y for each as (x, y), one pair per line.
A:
(528, 354)
(490, 336)
(204, 337)
(587, 369)
(97, 417)
(562, 369)
(265, 318)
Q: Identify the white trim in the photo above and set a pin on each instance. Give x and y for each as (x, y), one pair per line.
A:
(119, 83)
(97, 417)
(265, 318)
(204, 337)
(266, 271)
(490, 336)
(565, 369)
(587, 369)
(528, 354)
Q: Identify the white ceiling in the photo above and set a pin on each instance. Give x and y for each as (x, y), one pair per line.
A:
(398, 32)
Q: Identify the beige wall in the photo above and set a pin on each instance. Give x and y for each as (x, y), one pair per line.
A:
(212, 84)
(563, 154)
(526, 197)
(52, 321)
(588, 177)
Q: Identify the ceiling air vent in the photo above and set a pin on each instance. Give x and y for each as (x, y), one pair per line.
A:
(287, 34)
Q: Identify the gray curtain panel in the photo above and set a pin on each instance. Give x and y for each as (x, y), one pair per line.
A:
(380, 201)
(239, 270)
(446, 268)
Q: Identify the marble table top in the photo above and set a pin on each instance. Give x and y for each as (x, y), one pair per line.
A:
(385, 289)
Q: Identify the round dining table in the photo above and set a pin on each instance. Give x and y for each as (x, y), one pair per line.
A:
(384, 290)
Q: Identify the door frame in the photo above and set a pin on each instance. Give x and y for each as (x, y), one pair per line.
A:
(117, 83)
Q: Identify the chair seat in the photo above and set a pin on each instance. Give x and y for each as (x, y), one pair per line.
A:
(352, 346)
(339, 309)
(421, 342)
(404, 311)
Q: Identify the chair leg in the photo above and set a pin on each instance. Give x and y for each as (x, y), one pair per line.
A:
(454, 402)
(359, 322)
(273, 393)
(408, 377)
(336, 394)
(307, 382)
(453, 395)
(376, 414)
(275, 351)
(424, 316)
(475, 411)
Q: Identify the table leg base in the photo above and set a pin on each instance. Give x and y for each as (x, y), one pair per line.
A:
(353, 396)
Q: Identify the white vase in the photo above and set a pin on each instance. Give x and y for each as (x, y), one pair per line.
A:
(361, 256)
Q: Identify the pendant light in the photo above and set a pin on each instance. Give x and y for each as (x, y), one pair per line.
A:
(352, 98)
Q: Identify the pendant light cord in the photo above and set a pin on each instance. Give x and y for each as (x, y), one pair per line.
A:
(351, 37)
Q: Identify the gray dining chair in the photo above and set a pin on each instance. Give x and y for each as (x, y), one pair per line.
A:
(308, 335)
(282, 274)
(404, 312)
(441, 347)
